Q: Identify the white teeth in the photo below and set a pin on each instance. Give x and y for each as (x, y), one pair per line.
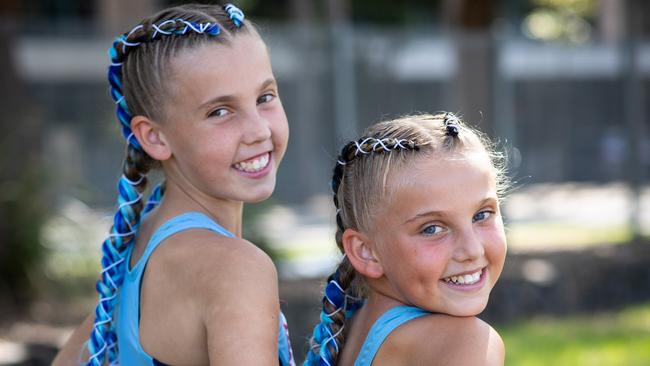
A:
(467, 279)
(254, 165)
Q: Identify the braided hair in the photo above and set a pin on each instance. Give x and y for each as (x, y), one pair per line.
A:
(139, 59)
(359, 183)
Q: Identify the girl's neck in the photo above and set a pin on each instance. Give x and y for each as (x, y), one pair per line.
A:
(178, 199)
(378, 303)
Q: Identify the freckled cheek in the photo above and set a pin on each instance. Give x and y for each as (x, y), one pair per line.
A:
(280, 129)
(430, 262)
(217, 153)
(495, 251)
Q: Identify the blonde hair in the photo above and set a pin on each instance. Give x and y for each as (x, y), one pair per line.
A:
(138, 76)
(361, 182)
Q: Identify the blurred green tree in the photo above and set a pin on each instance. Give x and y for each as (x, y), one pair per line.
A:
(22, 209)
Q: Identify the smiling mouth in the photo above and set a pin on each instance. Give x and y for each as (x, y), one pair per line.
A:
(254, 165)
(467, 279)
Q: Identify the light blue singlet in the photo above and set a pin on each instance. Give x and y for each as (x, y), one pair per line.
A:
(127, 326)
(386, 323)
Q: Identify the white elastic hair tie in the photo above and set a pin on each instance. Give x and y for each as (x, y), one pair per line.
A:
(128, 138)
(190, 26)
(158, 30)
(126, 43)
(128, 203)
(380, 143)
(132, 182)
(359, 144)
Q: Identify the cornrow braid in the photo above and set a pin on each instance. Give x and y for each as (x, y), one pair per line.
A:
(132, 184)
(341, 299)
(354, 149)
(126, 43)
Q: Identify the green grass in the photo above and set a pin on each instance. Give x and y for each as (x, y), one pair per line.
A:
(621, 338)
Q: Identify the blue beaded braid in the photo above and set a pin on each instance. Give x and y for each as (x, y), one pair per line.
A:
(114, 249)
(103, 340)
(327, 334)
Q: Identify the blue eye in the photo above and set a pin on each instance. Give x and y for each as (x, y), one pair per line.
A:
(220, 112)
(431, 230)
(265, 98)
(481, 216)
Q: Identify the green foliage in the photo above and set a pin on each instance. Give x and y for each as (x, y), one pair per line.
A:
(251, 231)
(585, 8)
(22, 213)
(611, 339)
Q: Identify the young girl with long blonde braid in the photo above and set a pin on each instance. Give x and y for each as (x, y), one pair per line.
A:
(420, 228)
(195, 96)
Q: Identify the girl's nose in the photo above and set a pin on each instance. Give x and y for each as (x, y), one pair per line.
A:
(469, 246)
(256, 129)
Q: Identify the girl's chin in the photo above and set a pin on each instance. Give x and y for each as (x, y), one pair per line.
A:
(468, 309)
(259, 195)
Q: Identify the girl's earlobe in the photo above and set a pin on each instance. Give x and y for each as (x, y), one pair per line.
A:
(151, 138)
(358, 249)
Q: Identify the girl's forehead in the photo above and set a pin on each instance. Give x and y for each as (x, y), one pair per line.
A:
(213, 70)
(440, 165)
(446, 179)
(240, 56)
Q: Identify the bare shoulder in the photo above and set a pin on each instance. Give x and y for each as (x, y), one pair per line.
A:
(212, 266)
(450, 341)
(213, 287)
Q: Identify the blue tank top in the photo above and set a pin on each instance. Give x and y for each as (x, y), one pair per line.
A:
(386, 323)
(127, 325)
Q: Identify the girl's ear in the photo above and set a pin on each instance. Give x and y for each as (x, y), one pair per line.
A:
(151, 138)
(358, 249)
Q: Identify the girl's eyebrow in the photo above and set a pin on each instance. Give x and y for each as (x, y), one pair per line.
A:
(440, 214)
(268, 82)
(489, 200)
(425, 214)
(217, 100)
(229, 97)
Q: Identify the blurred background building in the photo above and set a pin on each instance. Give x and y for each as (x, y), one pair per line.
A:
(563, 84)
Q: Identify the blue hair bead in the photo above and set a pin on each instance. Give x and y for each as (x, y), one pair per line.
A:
(235, 14)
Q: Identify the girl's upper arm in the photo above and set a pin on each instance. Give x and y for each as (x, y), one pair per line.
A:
(241, 307)
(466, 341)
(74, 348)
(475, 342)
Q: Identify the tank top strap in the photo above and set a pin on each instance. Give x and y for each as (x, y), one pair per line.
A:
(285, 352)
(383, 326)
(182, 222)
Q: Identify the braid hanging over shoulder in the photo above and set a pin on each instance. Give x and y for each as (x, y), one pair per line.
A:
(102, 345)
(328, 336)
(338, 303)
